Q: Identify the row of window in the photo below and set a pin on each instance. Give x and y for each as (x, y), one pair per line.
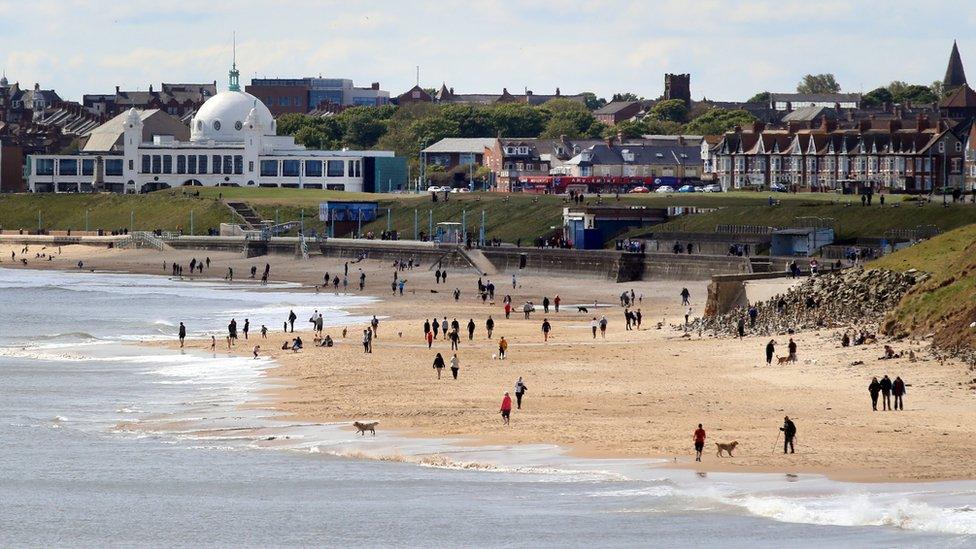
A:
(285, 101)
(194, 163)
(70, 166)
(313, 168)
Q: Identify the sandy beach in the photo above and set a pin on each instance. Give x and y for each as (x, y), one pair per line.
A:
(636, 393)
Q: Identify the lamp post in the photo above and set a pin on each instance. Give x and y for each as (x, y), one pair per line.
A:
(416, 235)
(86, 220)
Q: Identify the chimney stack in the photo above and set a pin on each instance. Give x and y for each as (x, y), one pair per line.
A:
(375, 86)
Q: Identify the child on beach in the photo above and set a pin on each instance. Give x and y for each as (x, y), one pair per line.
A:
(213, 343)
(699, 438)
(256, 349)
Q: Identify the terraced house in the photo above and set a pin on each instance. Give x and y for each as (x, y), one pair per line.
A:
(881, 155)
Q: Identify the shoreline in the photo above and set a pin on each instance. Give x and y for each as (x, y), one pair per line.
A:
(409, 407)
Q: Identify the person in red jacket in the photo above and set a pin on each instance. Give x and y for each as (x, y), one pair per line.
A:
(506, 408)
(556, 302)
(508, 309)
(699, 438)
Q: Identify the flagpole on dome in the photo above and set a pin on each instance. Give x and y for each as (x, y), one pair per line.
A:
(234, 75)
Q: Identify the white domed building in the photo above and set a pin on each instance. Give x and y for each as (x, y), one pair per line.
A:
(232, 142)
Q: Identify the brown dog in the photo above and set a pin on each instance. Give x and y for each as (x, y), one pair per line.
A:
(785, 359)
(726, 447)
(363, 427)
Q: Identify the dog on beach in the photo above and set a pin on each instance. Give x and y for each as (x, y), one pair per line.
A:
(582, 310)
(726, 447)
(363, 427)
(785, 359)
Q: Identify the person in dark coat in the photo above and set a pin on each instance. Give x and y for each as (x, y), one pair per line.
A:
(789, 433)
(898, 389)
(439, 364)
(874, 389)
(770, 351)
(470, 329)
(885, 393)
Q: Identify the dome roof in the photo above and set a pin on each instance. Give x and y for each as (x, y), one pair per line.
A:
(225, 116)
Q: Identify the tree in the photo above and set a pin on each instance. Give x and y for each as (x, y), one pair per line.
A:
(818, 83)
(364, 125)
(939, 89)
(718, 121)
(518, 120)
(661, 127)
(877, 96)
(470, 120)
(673, 110)
(916, 93)
(759, 98)
(628, 129)
(592, 101)
(626, 96)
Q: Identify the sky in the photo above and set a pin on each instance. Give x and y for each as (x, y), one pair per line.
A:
(731, 48)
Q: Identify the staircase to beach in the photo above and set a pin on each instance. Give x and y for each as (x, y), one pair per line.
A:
(246, 213)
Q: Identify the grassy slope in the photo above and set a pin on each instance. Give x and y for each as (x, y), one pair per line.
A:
(110, 211)
(946, 304)
(508, 217)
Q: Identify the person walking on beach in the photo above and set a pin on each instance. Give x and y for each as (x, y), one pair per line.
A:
(430, 339)
(520, 390)
(230, 274)
(898, 389)
(603, 326)
(182, 334)
(789, 433)
(455, 365)
(247, 327)
(506, 408)
(874, 389)
(208, 262)
(555, 302)
(685, 295)
(375, 324)
(455, 338)
(436, 327)
(264, 332)
(470, 329)
(366, 341)
(792, 348)
(740, 327)
(231, 332)
(770, 351)
(438, 364)
(457, 294)
(699, 438)
(753, 314)
(426, 328)
(502, 348)
(292, 317)
(545, 304)
(444, 327)
(885, 393)
(514, 282)
(546, 328)
(213, 343)
(489, 326)
(508, 309)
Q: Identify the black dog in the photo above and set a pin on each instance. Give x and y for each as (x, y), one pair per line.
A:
(582, 310)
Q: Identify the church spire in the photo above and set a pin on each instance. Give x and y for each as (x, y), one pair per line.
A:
(955, 76)
(234, 75)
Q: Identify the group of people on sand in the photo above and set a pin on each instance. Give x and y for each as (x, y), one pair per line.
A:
(506, 408)
(771, 352)
(886, 388)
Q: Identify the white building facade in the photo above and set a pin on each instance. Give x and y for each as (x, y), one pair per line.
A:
(233, 142)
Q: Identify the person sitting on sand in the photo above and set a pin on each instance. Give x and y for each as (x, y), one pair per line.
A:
(286, 345)
(326, 341)
(889, 353)
(296, 344)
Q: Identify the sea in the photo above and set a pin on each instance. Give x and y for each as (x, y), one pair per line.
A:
(108, 442)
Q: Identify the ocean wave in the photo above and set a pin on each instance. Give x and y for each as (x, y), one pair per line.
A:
(67, 335)
(861, 510)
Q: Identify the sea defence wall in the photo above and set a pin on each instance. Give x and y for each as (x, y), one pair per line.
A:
(506, 260)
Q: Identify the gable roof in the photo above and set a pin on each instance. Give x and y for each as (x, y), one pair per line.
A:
(108, 136)
(469, 145)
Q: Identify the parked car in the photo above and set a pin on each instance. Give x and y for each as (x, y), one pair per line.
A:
(778, 187)
(687, 189)
(713, 188)
(640, 190)
(664, 189)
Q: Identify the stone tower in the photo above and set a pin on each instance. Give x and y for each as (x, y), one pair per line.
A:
(678, 86)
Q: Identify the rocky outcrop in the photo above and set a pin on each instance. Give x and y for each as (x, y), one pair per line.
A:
(854, 297)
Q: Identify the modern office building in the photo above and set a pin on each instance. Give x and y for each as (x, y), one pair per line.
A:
(300, 95)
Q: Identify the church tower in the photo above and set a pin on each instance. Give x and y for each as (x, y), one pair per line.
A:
(955, 76)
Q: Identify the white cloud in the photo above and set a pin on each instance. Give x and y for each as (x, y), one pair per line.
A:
(732, 48)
